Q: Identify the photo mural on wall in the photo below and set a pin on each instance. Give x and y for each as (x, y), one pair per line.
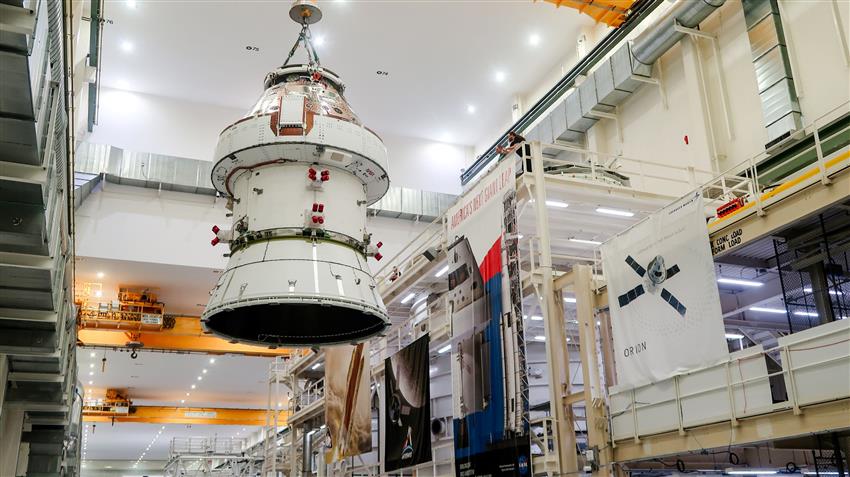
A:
(407, 440)
(491, 436)
(348, 409)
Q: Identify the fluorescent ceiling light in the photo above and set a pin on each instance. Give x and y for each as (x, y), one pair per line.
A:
(619, 213)
(831, 292)
(805, 313)
(777, 311)
(569, 299)
(444, 349)
(536, 318)
(316, 366)
(408, 298)
(500, 76)
(557, 203)
(589, 242)
(738, 281)
(734, 336)
(750, 472)
(540, 338)
(534, 39)
(470, 109)
(442, 271)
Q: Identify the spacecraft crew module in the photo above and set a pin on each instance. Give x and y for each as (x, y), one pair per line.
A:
(298, 171)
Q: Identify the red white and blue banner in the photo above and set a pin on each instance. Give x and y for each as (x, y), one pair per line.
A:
(490, 425)
(665, 307)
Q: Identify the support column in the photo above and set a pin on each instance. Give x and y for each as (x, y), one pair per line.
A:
(820, 291)
(594, 402)
(11, 428)
(553, 321)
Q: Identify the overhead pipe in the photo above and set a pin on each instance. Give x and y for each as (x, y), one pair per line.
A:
(656, 40)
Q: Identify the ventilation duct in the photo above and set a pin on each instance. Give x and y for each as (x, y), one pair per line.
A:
(156, 171)
(619, 76)
(779, 103)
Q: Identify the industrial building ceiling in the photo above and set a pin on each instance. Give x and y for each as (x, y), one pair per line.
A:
(472, 58)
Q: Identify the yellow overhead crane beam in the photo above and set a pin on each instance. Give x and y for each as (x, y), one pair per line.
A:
(610, 12)
(186, 335)
(184, 415)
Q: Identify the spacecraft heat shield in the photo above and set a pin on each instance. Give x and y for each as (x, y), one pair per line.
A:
(299, 171)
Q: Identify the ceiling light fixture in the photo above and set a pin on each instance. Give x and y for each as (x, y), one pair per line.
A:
(739, 281)
(616, 212)
(777, 311)
(557, 204)
(212, 360)
(316, 366)
(534, 39)
(589, 242)
(127, 47)
(751, 472)
(91, 355)
(441, 272)
(569, 299)
(444, 349)
(734, 336)
(831, 292)
(193, 386)
(500, 76)
(470, 109)
(536, 318)
(99, 274)
(204, 371)
(98, 293)
(408, 298)
(131, 4)
(200, 378)
(540, 338)
(805, 313)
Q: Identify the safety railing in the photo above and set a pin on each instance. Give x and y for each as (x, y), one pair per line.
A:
(815, 365)
(638, 174)
(744, 180)
(314, 392)
(410, 257)
(184, 446)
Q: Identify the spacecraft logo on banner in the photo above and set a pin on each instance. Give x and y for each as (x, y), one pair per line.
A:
(666, 318)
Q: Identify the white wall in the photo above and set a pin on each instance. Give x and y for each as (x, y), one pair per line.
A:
(147, 123)
(129, 223)
(651, 132)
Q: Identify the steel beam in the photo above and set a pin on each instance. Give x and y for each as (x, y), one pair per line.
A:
(16, 19)
(749, 226)
(553, 314)
(185, 415)
(827, 417)
(186, 335)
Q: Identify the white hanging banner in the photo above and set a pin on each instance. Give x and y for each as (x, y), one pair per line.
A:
(662, 290)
